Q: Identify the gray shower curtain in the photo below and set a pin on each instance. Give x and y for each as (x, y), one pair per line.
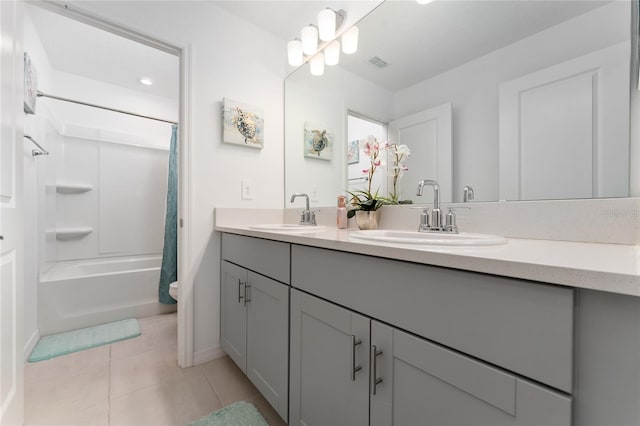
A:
(169, 269)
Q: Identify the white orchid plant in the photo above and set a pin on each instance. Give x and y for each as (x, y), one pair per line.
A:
(365, 199)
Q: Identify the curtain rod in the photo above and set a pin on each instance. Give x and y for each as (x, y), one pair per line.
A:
(44, 95)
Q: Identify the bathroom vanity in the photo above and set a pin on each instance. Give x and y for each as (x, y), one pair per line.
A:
(393, 335)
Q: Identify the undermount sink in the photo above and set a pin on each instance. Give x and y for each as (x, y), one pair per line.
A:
(428, 239)
(287, 227)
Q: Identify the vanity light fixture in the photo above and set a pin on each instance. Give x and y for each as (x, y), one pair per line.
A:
(145, 81)
(294, 53)
(332, 53)
(322, 37)
(350, 40)
(423, 1)
(316, 64)
(327, 24)
(309, 35)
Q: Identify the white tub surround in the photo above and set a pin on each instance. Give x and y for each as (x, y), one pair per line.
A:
(606, 267)
(85, 293)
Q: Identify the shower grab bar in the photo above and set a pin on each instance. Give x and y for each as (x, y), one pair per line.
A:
(35, 152)
(73, 101)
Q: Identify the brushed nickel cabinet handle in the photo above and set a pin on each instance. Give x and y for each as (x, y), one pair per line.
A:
(247, 293)
(240, 296)
(354, 368)
(375, 353)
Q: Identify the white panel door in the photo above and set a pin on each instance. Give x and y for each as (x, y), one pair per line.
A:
(11, 301)
(428, 134)
(564, 130)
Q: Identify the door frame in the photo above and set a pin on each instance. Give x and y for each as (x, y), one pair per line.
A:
(184, 54)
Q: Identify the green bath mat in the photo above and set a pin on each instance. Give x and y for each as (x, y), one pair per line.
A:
(73, 341)
(239, 413)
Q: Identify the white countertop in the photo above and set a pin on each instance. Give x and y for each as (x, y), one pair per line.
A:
(613, 268)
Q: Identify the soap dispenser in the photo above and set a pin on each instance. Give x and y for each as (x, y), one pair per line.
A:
(342, 212)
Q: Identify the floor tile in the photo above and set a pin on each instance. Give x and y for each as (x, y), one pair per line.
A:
(60, 414)
(146, 369)
(228, 381)
(175, 403)
(79, 362)
(267, 411)
(55, 399)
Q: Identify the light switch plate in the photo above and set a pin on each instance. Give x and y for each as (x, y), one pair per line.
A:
(246, 191)
(314, 195)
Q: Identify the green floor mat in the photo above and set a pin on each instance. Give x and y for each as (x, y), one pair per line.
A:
(239, 413)
(73, 341)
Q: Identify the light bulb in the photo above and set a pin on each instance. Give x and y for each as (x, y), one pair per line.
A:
(327, 24)
(350, 40)
(332, 53)
(309, 40)
(316, 64)
(294, 52)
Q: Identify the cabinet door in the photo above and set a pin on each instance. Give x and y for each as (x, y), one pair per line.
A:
(326, 389)
(233, 316)
(267, 339)
(423, 383)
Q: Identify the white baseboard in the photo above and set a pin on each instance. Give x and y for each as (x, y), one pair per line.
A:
(208, 354)
(31, 343)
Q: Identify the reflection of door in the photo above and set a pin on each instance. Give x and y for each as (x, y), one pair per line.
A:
(11, 313)
(564, 130)
(360, 127)
(428, 135)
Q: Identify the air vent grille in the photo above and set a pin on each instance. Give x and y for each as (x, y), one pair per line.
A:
(375, 61)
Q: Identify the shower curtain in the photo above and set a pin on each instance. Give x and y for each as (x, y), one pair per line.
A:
(169, 269)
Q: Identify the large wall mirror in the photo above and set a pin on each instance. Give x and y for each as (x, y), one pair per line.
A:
(521, 100)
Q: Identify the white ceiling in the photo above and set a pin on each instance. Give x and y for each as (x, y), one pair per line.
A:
(417, 41)
(83, 50)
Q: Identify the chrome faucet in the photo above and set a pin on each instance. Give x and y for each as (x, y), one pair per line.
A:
(467, 194)
(435, 225)
(307, 217)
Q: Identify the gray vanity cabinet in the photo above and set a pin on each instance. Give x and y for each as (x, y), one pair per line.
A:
(400, 379)
(254, 315)
(414, 381)
(329, 364)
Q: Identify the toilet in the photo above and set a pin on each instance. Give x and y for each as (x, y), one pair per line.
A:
(173, 290)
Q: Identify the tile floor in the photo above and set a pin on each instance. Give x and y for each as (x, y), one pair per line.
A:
(134, 382)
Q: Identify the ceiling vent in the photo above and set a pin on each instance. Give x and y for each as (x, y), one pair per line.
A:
(378, 62)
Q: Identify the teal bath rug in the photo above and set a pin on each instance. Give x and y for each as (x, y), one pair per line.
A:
(73, 341)
(239, 413)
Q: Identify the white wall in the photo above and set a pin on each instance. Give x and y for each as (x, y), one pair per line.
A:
(326, 102)
(33, 189)
(473, 89)
(230, 58)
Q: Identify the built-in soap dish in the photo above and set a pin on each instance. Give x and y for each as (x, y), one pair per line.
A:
(73, 188)
(66, 234)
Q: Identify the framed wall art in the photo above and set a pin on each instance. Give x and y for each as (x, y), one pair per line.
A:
(353, 152)
(243, 124)
(318, 141)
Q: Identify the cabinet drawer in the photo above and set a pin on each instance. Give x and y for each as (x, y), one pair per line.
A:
(269, 258)
(422, 383)
(521, 326)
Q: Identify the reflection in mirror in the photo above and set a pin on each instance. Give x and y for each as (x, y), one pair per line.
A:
(518, 99)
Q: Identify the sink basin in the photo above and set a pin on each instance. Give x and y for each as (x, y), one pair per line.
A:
(287, 227)
(428, 239)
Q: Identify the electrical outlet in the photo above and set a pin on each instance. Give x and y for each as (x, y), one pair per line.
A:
(314, 195)
(246, 191)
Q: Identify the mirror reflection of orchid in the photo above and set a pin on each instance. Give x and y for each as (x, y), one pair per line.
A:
(366, 200)
(398, 155)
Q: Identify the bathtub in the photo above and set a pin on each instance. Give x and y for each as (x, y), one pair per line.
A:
(83, 293)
